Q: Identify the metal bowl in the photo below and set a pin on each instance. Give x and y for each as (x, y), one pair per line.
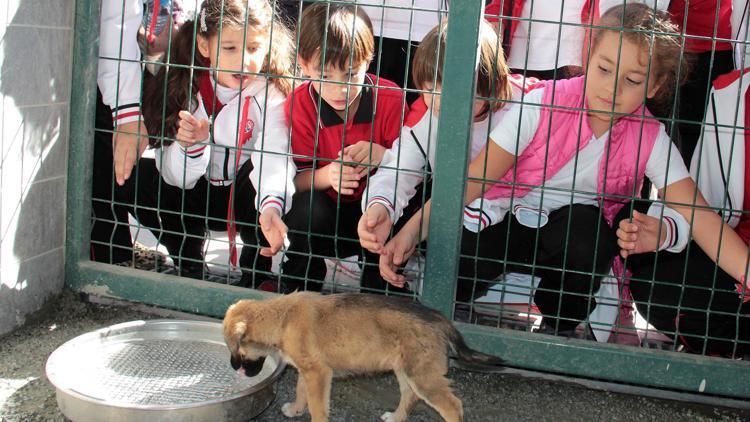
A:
(163, 370)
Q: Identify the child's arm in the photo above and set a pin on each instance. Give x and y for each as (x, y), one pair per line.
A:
(119, 79)
(337, 176)
(709, 230)
(182, 163)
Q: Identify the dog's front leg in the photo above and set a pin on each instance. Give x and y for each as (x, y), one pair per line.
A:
(318, 383)
(297, 408)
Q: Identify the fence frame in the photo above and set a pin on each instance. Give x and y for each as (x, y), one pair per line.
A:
(678, 372)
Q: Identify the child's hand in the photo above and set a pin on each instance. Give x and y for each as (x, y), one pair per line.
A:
(344, 179)
(128, 143)
(191, 130)
(374, 227)
(643, 234)
(273, 229)
(395, 254)
(361, 153)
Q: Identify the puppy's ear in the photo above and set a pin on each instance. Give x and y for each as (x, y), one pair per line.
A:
(238, 331)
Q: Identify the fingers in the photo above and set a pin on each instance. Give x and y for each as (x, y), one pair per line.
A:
(125, 156)
(367, 238)
(388, 269)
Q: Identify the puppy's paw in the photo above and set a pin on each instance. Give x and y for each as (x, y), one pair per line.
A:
(291, 411)
(390, 417)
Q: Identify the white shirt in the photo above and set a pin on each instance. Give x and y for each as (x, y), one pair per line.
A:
(398, 19)
(664, 165)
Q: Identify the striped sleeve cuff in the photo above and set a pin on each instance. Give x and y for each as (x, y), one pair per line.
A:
(126, 113)
(671, 229)
(272, 201)
(194, 151)
(475, 219)
(382, 200)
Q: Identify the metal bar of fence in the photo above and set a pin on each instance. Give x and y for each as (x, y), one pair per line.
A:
(454, 130)
(80, 151)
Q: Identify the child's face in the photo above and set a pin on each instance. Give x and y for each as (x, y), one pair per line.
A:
(235, 53)
(633, 79)
(335, 93)
(432, 99)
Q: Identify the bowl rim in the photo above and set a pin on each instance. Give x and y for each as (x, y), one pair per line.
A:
(129, 325)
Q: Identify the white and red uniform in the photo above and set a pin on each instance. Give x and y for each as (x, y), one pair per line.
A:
(253, 121)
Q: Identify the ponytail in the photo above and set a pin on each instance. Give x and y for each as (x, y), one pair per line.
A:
(172, 88)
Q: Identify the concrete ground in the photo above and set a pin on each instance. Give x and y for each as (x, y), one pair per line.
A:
(25, 394)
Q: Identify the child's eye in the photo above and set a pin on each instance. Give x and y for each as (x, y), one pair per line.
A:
(603, 69)
(633, 82)
(228, 48)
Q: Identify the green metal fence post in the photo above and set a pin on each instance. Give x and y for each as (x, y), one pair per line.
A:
(453, 145)
(81, 137)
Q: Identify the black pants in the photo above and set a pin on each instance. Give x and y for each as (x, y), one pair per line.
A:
(701, 310)
(692, 98)
(110, 233)
(207, 206)
(319, 228)
(571, 260)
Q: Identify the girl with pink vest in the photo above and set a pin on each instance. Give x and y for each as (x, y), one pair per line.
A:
(567, 160)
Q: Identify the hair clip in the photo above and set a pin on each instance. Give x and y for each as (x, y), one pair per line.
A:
(204, 28)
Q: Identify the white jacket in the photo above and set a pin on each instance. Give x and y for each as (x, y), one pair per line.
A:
(412, 157)
(272, 176)
(719, 168)
(119, 74)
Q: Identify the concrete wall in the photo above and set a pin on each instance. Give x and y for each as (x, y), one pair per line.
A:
(35, 69)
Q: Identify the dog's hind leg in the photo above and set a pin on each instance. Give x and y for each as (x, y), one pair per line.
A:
(318, 383)
(429, 383)
(408, 400)
(297, 408)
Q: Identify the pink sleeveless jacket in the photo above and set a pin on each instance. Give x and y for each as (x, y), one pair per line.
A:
(563, 130)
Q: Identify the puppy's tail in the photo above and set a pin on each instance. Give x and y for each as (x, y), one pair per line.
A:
(470, 359)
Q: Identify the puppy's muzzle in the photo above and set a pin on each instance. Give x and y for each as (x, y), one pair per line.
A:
(250, 367)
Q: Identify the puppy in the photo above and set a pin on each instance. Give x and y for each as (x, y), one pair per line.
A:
(358, 333)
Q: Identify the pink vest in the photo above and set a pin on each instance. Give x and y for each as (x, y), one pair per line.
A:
(563, 130)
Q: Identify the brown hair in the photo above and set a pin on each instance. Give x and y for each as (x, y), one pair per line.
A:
(345, 30)
(657, 36)
(492, 72)
(175, 88)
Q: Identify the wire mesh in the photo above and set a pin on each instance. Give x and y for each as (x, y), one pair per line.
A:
(544, 256)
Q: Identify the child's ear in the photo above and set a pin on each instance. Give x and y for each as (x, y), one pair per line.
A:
(203, 46)
(654, 88)
(304, 66)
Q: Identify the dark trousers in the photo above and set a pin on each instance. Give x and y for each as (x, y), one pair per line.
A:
(110, 234)
(206, 207)
(693, 94)
(697, 304)
(570, 253)
(319, 228)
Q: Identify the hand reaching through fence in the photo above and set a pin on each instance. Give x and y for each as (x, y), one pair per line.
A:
(274, 230)
(641, 234)
(129, 142)
(366, 153)
(344, 179)
(397, 251)
(191, 130)
(374, 227)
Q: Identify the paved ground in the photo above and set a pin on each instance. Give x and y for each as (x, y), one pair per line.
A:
(25, 394)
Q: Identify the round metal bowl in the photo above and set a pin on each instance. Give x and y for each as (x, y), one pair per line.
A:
(163, 370)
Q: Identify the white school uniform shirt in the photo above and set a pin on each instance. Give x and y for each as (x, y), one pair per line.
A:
(273, 171)
(119, 72)
(412, 157)
(518, 127)
(549, 22)
(399, 20)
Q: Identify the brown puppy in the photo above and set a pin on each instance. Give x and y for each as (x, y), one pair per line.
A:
(359, 333)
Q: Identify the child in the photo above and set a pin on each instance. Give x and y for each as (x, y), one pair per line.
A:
(232, 106)
(683, 294)
(412, 157)
(341, 124)
(564, 168)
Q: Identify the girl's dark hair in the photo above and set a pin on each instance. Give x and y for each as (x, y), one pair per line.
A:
(492, 71)
(345, 31)
(175, 87)
(657, 35)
